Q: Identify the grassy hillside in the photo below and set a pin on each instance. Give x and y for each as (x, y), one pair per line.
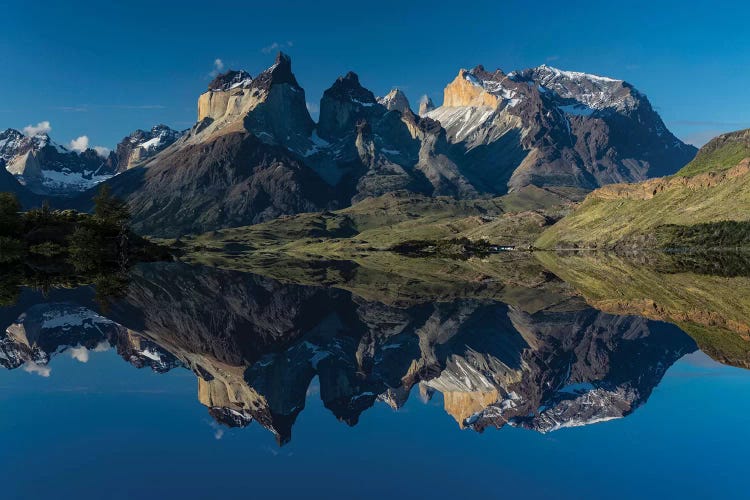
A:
(720, 153)
(713, 309)
(354, 248)
(677, 211)
(378, 224)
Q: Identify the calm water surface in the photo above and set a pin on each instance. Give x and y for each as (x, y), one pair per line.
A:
(198, 382)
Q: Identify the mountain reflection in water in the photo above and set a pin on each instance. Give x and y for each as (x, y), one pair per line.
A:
(545, 361)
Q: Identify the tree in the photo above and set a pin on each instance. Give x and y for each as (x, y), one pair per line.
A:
(10, 217)
(110, 209)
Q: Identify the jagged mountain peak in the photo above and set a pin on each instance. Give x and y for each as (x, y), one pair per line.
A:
(141, 145)
(425, 105)
(349, 88)
(229, 80)
(594, 91)
(279, 73)
(395, 100)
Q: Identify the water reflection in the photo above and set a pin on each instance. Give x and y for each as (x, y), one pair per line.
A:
(543, 359)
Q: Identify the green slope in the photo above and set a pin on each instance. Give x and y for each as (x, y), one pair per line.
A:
(720, 153)
(665, 212)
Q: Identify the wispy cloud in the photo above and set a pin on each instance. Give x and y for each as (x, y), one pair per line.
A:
(134, 106)
(313, 107)
(277, 46)
(218, 430)
(552, 58)
(72, 109)
(40, 128)
(102, 151)
(218, 68)
(88, 107)
(80, 144)
(42, 371)
(707, 123)
(80, 353)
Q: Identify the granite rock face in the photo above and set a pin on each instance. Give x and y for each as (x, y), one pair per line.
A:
(141, 145)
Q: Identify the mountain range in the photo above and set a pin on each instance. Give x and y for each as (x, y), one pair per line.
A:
(546, 363)
(46, 168)
(255, 153)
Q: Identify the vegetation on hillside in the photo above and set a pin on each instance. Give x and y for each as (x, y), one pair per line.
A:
(383, 224)
(721, 153)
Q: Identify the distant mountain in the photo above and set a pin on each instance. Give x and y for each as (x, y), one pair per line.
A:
(9, 184)
(705, 205)
(47, 168)
(141, 145)
(255, 153)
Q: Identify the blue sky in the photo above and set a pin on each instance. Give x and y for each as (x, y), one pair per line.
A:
(103, 69)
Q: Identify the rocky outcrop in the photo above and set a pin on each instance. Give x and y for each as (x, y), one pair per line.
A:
(549, 127)
(425, 105)
(395, 100)
(272, 106)
(236, 167)
(230, 180)
(345, 104)
(140, 146)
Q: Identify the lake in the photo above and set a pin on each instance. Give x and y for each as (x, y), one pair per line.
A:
(580, 379)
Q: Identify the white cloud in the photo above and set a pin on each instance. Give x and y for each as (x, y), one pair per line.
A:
(218, 430)
(312, 107)
(81, 144)
(80, 353)
(42, 371)
(218, 68)
(277, 46)
(40, 128)
(102, 346)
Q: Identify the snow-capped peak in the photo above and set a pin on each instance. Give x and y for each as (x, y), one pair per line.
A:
(592, 91)
(575, 75)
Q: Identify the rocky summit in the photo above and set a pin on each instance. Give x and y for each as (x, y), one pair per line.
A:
(255, 152)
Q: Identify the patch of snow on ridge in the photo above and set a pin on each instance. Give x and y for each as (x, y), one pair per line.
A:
(67, 180)
(593, 91)
(576, 75)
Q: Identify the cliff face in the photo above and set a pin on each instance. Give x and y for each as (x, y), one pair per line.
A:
(234, 167)
(548, 127)
(465, 90)
(495, 133)
(140, 146)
